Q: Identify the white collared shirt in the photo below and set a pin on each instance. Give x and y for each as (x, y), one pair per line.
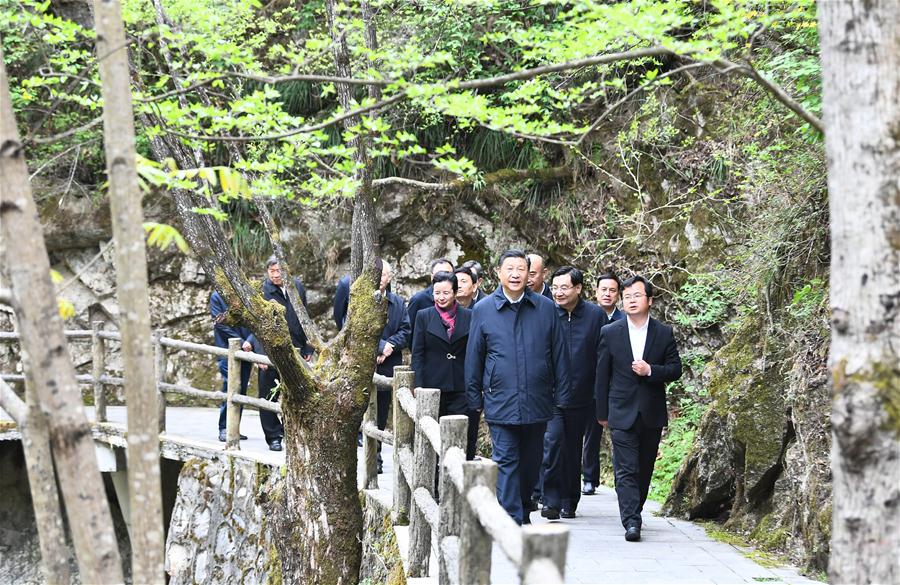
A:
(512, 300)
(638, 338)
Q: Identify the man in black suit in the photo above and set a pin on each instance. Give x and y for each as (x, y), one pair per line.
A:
(607, 296)
(636, 357)
(275, 289)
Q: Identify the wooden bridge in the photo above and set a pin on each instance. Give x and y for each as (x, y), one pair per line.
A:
(466, 536)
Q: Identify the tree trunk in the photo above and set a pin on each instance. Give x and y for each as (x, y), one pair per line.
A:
(861, 99)
(51, 369)
(145, 493)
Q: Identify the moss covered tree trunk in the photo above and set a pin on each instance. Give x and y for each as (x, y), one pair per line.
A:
(861, 100)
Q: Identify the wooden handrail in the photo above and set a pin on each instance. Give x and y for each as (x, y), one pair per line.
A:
(468, 519)
(461, 527)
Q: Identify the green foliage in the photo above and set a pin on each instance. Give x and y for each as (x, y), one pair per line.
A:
(808, 299)
(162, 236)
(678, 441)
(704, 300)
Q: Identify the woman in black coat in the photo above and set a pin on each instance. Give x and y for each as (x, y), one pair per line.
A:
(439, 344)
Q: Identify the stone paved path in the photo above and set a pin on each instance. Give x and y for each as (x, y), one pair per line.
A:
(672, 551)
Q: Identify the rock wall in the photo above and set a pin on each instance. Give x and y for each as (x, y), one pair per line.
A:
(218, 532)
(760, 459)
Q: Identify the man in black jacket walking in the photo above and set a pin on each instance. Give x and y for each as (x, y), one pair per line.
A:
(581, 323)
(274, 289)
(637, 356)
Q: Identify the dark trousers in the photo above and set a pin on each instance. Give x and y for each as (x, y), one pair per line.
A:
(634, 455)
(271, 424)
(538, 493)
(246, 368)
(456, 403)
(562, 462)
(590, 455)
(517, 453)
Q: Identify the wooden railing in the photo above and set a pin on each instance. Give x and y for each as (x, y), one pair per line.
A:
(232, 397)
(461, 525)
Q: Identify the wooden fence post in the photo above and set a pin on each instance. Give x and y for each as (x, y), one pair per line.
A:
(404, 429)
(160, 378)
(428, 403)
(474, 541)
(232, 410)
(543, 549)
(98, 353)
(370, 445)
(453, 434)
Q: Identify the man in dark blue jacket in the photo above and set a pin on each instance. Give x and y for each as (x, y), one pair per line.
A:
(424, 298)
(221, 334)
(394, 337)
(636, 358)
(515, 366)
(274, 289)
(581, 323)
(607, 296)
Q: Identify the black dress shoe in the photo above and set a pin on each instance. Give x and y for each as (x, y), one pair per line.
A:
(588, 489)
(633, 533)
(566, 513)
(275, 445)
(550, 513)
(533, 504)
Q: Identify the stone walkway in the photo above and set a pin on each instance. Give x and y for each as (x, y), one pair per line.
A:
(672, 551)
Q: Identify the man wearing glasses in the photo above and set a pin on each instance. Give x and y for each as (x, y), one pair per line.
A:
(636, 358)
(580, 323)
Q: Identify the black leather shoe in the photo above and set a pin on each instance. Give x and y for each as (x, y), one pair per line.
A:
(588, 489)
(566, 513)
(533, 504)
(550, 513)
(633, 533)
(275, 445)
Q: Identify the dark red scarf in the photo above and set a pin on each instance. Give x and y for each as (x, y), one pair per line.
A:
(448, 317)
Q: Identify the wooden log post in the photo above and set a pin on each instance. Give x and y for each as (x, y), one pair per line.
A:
(453, 434)
(160, 379)
(428, 403)
(404, 430)
(232, 410)
(98, 353)
(544, 553)
(474, 541)
(370, 445)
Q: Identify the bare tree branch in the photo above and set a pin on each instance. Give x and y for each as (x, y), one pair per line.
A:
(501, 176)
(774, 89)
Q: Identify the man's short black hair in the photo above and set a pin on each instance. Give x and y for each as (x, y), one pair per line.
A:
(609, 276)
(513, 254)
(576, 275)
(437, 261)
(467, 271)
(475, 267)
(272, 261)
(444, 276)
(648, 286)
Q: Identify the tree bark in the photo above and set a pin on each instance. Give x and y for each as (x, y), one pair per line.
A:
(363, 226)
(145, 493)
(860, 42)
(48, 359)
